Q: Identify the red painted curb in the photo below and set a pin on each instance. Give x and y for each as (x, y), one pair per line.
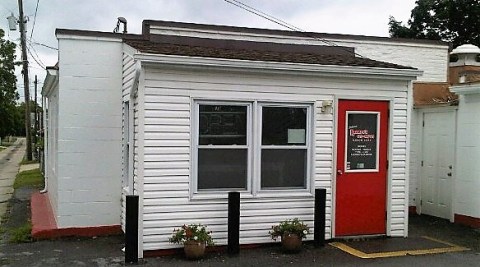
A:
(45, 227)
(467, 220)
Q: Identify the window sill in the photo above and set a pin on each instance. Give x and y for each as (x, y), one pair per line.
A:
(259, 195)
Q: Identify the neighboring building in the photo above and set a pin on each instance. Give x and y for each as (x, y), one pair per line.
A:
(446, 147)
(200, 110)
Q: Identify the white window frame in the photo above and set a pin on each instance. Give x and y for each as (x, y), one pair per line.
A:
(196, 146)
(254, 147)
(308, 147)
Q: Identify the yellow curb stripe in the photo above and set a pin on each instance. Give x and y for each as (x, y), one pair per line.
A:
(363, 255)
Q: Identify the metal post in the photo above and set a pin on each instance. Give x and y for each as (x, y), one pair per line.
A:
(233, 223)
(319, 223)
(28, 133)
(131, 230)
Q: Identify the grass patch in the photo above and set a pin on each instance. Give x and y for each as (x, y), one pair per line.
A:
(2, 148)
(21, 234)
(31, 178)
(25, 161)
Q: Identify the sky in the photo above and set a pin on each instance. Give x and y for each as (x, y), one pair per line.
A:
(360, 17)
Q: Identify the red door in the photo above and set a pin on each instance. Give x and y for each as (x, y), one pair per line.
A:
(361, 178)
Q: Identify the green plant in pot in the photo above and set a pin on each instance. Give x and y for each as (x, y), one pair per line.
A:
(194, 237)
(291, 233)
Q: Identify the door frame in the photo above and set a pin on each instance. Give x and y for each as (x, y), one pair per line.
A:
(390, 101)
(419, 171)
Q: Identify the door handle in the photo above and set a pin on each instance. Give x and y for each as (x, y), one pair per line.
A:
(339, 172)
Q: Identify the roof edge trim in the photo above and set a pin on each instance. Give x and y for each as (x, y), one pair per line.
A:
(267, 66)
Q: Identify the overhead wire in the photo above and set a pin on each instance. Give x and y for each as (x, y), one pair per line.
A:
(40, 64)
(282, 23)
(44, 45)
(34, 20)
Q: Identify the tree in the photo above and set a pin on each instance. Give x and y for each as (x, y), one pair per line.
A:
(455, 21)
(8, 93)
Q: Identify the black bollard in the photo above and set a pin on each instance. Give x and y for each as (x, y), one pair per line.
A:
(319, 223)
(131, 230)
(233, 223)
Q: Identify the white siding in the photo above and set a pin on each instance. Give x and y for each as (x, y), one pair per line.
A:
(128, 75)
(168, 97)
(52, 147)
(89, 132)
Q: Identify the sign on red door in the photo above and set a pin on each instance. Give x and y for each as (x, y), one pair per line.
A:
(361, 177)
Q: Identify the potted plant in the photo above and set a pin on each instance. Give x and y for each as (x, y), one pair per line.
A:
(194, 238)
(291, 232)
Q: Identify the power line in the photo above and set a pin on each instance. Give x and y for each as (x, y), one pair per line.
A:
(36, 54)
(44, 45)
(34, 20)
(37, 61)
(281, 22)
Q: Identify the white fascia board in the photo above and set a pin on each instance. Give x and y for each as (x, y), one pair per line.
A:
(466, 89)
(278, 67)
(89, 38)
(51, 81)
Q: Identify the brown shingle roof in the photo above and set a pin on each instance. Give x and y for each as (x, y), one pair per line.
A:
(260, 54)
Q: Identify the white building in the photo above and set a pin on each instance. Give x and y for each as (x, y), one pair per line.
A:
(447, 143)
(210, 109)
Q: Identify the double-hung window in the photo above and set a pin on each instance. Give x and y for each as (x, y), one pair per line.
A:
(223, 142)
(251, 146)
(284, 149)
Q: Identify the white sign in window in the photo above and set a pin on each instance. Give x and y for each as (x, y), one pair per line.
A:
(362, 140)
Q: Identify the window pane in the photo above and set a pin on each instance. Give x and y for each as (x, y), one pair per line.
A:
(284, 168)
(284, 125)
(223, 125)
(222, 168)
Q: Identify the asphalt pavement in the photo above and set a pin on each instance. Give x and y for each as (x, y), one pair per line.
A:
(106, 251)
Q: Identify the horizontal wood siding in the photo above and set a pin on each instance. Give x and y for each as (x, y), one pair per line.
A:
(127, 83)
(167, 154)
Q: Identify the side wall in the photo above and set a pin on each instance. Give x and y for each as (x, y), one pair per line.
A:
(467, 197)
(167, 202)
(52, 149)
(90, 131)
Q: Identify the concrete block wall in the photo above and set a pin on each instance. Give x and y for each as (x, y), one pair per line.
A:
(90, 131)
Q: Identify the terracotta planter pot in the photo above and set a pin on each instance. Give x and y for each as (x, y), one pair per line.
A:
(194, 249)
(291, 242)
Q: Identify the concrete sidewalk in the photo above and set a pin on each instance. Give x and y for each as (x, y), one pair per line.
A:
(10, 159)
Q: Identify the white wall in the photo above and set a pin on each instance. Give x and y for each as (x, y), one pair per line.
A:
(167, 157)
(467, 173)
(89, 131)
(51, 151)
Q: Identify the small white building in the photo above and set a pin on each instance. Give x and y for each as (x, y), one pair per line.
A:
(186, 113)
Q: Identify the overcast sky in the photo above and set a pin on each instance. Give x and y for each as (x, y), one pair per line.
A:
(362, 17)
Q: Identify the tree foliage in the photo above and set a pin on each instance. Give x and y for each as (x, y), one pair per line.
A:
(8, 93)
(455, 21)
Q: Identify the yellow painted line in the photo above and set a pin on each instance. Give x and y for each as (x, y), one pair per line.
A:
(363, 255)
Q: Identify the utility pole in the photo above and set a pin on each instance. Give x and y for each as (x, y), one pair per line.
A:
(21, 22)
(35, 125)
